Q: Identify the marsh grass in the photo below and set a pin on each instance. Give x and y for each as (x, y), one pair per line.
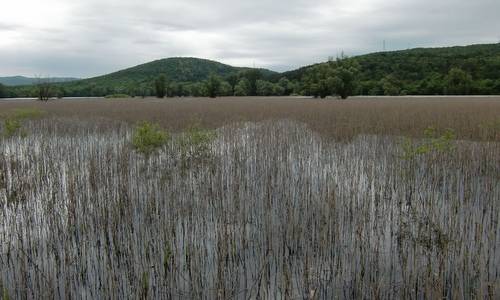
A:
(273, 210)
(13, 120)
(471, 118)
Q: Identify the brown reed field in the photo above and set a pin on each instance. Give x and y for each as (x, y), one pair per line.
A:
(250, 198)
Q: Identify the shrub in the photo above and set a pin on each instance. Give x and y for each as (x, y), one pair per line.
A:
(148, 138)
(11, 127)
(13, 120)
(432, 143)
(195, 143)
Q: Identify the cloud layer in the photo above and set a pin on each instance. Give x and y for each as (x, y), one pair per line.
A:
(91, 37)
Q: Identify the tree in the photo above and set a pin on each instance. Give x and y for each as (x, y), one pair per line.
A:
(278, 90)
(173, 89)
(197, 89)
(161, 86)
(233, 81)
(264, 88)
(252, 75)
(345, 77)
(60, 92)
(458, 82)
(391, 85)
(242, 88)
(212, 85)
(44, 89)
(225, 89)
(144, 90)
(320, 80)
(287, 86)
(2, 91)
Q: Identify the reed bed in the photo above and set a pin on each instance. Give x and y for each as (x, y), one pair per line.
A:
(270, 210)
(476, 118)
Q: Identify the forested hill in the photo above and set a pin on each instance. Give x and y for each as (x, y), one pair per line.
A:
(138, 80)
(179, 72)
(176, 69)
(424, 71)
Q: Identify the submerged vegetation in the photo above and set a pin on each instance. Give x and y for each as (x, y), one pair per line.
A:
(272, 210)
(253, 209)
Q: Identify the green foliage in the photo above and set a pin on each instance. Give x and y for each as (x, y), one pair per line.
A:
(5, 293)
(13, 120)
(420, 71)
(167, 257)
(26, 113)
(391, 86)
(2, 91)
(286, 85)
(117, 96)
(225, 89)
(264, 88)
(433, 142)
(148, 138)
(319, 80)
(252, 75)
(232, 80)
(490, 130)
(12, 127)
(195, 143)
(458, 82)
(345, 77)
(429, 234)
(145, 285)
(242, 88)
(161, 86)
(212, 85)
(196, 89)
(335, 77)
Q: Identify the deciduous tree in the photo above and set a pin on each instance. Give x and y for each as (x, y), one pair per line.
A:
(161, 86)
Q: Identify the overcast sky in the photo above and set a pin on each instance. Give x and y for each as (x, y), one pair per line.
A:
(84, 38)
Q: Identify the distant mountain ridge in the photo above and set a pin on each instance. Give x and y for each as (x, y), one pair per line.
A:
(22, 80)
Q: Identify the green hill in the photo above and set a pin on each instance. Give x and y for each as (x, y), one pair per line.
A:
(423, 71)
(178, 69)
(136, 79)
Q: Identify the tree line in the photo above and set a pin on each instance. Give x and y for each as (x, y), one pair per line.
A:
(341, 78)
(246, 83)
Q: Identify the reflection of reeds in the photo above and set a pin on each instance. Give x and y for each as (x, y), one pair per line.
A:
(275, 211)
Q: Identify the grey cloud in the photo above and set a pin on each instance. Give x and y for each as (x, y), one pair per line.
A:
(103, 36)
